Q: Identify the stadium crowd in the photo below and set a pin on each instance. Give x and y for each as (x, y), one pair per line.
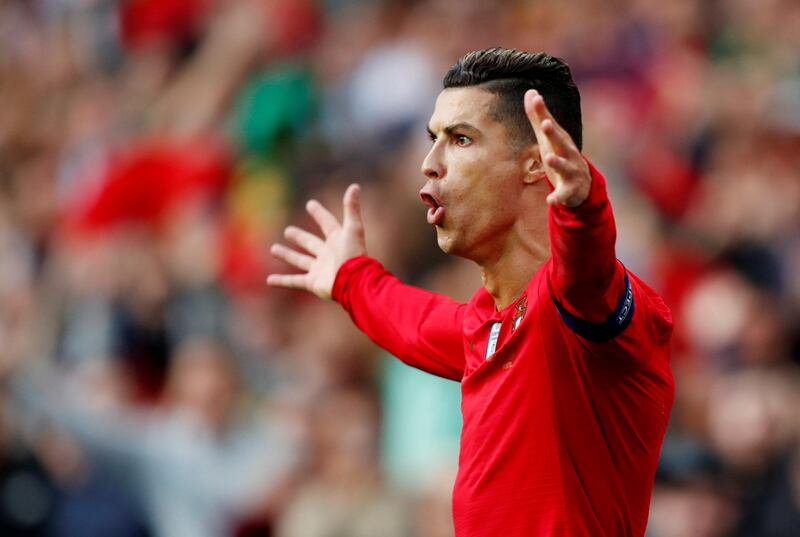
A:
(151, 150)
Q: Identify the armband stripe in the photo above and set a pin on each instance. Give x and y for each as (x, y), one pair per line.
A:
(614, 325)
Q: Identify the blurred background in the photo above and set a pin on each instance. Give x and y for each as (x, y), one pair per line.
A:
(151, 151)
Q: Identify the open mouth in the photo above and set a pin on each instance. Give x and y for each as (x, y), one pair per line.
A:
(435, 209)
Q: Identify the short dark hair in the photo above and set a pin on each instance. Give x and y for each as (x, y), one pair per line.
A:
(508, 74)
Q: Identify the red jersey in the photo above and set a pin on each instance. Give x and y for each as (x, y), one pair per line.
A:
(566, 393)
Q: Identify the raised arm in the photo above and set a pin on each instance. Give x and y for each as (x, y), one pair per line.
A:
(421, 328)
(586, 280)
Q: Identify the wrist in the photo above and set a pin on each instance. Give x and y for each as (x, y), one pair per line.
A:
(346, 271)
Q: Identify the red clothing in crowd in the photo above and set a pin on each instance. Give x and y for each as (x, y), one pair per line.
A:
(566, 393)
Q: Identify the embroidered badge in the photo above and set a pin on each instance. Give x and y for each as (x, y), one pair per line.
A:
(519, 312)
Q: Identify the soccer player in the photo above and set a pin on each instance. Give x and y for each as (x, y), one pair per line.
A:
(563, 354)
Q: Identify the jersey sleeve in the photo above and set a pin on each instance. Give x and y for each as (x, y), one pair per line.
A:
(590, 288)
(421, 328)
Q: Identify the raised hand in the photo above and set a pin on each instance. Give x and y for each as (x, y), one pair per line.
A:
(566, 170)
(325, 255)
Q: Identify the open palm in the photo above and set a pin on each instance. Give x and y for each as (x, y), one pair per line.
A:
(323, 256)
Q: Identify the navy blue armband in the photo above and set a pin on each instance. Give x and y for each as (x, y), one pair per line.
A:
(613, 326)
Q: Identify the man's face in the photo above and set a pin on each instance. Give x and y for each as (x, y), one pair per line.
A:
(475, 176)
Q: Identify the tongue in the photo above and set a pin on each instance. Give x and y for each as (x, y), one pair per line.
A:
(435, 216)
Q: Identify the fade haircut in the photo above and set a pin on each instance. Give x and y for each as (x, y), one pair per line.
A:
(508, 74)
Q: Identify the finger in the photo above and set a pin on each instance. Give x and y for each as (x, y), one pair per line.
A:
(309, 242)
(560, 165)
(559, 139)
(565, 194)
(289, 281)
(531, 97)
(352, 207)
(546, 127)
(323, 217)
(294, 258)
(557, 197)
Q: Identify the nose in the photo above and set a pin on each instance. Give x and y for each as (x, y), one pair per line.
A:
(432, 166)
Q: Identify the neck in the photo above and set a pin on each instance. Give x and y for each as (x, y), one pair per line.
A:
(506, 274)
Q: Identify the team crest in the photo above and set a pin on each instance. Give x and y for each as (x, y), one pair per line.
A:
(519, 312)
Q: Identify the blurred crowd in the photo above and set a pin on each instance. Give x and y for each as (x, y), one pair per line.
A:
(151, 151)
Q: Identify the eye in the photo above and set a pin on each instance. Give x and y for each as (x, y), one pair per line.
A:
(462, 140)
(432, 137)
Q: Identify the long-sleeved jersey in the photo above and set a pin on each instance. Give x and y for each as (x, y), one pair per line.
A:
(566, 393)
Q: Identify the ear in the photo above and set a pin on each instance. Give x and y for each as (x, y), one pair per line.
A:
(532, 164)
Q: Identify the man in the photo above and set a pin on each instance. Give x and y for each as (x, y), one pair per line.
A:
(563, 355)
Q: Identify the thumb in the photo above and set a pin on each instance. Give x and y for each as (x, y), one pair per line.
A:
(352, 207)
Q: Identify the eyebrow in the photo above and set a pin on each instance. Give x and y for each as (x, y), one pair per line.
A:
(456, 127)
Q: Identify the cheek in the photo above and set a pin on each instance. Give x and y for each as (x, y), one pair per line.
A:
(478, 215)
(467, 180)
(486, 193)
(481, 187)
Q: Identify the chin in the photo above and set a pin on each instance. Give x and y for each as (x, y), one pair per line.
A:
(443, 239)
(447, 243)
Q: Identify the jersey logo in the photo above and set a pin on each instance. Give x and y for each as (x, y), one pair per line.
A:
(519, 312)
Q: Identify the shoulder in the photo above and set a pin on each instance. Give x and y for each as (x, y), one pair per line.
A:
(636, 312)
(654, 308)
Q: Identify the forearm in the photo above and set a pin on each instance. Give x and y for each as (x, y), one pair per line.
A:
(585, 274)
(421, 328)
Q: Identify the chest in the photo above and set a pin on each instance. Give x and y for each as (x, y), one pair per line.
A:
(498, 340)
